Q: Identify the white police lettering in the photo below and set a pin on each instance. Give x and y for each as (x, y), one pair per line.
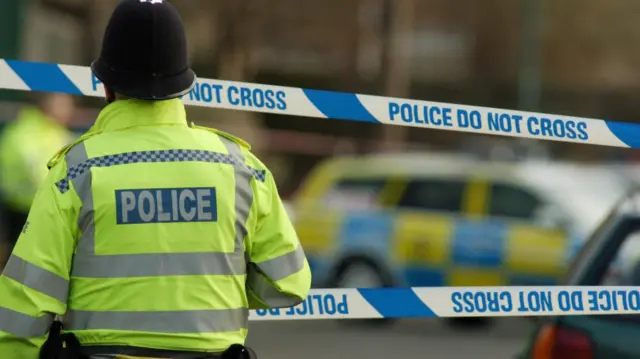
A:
(166, 205)
(128, 199)
(203, 204)
(162, 216)
(187, 214)
(146, 211)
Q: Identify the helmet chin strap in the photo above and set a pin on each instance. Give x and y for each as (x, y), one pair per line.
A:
(110, 96)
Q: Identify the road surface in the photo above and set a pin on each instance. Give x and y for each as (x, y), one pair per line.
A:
(407, 339)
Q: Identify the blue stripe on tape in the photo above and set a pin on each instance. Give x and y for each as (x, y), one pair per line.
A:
(339, 105)
(397, 303)
(629, 133)
(44, 77)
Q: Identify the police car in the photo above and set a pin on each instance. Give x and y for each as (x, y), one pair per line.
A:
(424, 219)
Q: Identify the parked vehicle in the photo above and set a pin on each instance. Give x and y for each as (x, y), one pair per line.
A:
(610, 257)
(447, 220)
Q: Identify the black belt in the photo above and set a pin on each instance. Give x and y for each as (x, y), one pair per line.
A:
(59, 345)
(91, 350)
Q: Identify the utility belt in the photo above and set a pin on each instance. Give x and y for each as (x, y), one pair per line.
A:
(67, 346)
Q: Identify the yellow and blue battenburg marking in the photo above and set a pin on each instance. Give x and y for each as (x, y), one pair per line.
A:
(443, 250)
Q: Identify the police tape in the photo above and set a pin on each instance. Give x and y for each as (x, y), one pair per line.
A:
(77, 80)
(458, 302)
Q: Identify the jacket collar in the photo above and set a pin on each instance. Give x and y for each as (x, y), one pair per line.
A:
(123, 114)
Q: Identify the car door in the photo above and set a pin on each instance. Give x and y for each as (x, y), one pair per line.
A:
(477, 244)
(617, 263)
(427, 212)
(610, 258)
(346, 215)
(532, 253)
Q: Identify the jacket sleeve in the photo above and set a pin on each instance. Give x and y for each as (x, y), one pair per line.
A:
(278, 272)
(35, 282)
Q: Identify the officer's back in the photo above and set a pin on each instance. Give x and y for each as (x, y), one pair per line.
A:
(152, 237)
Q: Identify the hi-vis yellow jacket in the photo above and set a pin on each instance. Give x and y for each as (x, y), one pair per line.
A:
(151, 233)
(26, 145)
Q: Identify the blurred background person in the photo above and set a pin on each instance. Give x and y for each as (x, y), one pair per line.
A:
(26, 145)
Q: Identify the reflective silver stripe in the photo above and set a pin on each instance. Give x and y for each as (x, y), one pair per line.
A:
(22, 325)
(265, 291)
(243, 195)
(37, 278)
(187, 321)
(244, 200)
(158, 264)
(82, 185)
(283, 266)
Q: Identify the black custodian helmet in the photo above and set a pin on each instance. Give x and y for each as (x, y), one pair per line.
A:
(144, 52)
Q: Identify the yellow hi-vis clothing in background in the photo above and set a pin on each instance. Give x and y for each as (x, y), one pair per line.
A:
(151, 233)
(25, 147)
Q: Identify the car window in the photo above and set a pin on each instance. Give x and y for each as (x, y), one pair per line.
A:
(513, 202)
(611, 257)
(624, 269)
(590, 248)
(434, 195)
(355, 193)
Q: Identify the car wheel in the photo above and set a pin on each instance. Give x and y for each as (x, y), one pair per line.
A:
(362, 274)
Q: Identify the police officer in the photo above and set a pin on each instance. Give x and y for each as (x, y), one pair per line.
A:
(25, 147)
(152, 238)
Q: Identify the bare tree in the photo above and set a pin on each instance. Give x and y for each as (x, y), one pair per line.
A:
(398, 16)
(235, 35)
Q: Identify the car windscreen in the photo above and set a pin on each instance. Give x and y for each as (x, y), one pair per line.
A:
(355, 194)
(585, 192)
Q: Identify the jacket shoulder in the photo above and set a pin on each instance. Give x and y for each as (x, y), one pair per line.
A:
(64, 150)
(226, 135)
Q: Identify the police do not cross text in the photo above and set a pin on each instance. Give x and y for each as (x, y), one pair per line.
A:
(492, 121)
(545, 301)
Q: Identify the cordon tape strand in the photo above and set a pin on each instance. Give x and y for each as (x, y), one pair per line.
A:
(452, 302)
(376, 303)
(77, 80)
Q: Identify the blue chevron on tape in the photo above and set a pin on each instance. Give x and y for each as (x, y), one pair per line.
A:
(44, 77)
(386, 303)
(339, 105)
(77, 80)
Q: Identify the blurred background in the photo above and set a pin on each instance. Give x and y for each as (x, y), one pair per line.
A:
(378, 205)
